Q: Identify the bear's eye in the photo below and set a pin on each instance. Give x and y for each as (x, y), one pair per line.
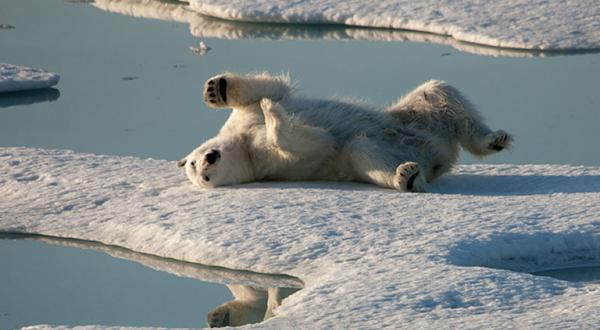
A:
(193, 163)
(206, 178)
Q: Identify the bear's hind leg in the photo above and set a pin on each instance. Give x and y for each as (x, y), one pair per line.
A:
(229, 90)
(374, 163)
(442, 110)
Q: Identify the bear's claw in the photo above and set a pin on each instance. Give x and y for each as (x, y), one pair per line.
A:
(215, 92)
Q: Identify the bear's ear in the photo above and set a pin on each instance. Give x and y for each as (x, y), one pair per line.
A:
(181, 163)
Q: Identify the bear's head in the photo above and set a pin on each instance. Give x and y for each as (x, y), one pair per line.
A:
(218, 162)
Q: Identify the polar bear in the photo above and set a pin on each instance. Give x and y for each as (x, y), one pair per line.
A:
(273, 134)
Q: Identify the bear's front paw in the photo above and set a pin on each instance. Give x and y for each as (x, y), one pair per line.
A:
(409, 177)
(215, 92)
(273, 112)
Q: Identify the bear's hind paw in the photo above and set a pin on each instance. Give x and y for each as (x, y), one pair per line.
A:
(499, 140)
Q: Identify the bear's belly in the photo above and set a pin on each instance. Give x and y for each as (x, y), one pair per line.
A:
(332, 168)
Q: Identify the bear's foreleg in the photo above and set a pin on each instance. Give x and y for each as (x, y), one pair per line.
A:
(293, 139)
(232, 91)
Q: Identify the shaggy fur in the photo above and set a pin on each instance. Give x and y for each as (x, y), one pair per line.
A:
(272, 134)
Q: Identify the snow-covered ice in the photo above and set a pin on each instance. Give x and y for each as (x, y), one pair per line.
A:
(523, 24)
(17, 78)
(456, 257)
(207, 27)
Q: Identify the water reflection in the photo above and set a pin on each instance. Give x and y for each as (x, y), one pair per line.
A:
(590, 275)
(251, 305)
(256, 295)
(207, 27)
(28, 97)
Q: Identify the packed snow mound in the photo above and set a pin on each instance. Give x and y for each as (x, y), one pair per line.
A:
(522, 24)
(369, 258)
(208, 27)
(18, 78)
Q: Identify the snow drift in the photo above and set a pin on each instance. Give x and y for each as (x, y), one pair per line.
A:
(369, 257)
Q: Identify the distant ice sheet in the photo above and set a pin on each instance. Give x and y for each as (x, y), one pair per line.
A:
(370, 258)
(208, 27)
(18, 78)
(521, 24)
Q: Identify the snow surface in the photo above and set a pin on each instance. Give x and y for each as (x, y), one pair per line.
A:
(524, 24)
(368, 257)
(18, 78)
(207, 27)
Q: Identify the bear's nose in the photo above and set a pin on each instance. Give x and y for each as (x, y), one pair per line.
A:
(212, 156)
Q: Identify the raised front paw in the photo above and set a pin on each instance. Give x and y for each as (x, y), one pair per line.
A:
(273, 112)
(409, 177)
(499, 140)
(215, 92)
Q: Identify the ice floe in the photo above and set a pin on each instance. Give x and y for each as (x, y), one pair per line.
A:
(457, 257)
(18, 78)
(521, 24)
(201, 49)
(207, 27)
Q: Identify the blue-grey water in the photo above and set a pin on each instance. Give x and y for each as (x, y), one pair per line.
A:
(550, 104)
(48, 284)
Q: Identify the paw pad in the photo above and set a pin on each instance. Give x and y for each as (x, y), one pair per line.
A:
(410, 178)
(215, 91)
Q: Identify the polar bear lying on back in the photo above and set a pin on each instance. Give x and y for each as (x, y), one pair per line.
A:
(272, 134)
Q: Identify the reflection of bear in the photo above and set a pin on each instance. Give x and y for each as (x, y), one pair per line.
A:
(274, 135)
(251, 305)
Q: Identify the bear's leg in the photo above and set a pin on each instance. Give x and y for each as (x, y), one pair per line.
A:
(229, 90)
(492, 142)
(249, 306)
(276, 297)
(374, 163)
(293, 138)
(442, 110)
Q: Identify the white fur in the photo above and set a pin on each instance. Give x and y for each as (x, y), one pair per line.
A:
(272, 134)
(250, 305)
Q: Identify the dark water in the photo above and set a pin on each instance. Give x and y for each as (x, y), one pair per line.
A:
(48, 284)
(575, 274)
(132, 86)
